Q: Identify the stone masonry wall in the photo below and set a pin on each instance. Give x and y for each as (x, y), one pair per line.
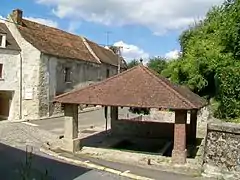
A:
(222, 150)
(159, 124)
(30, 75)
(51, 82)
(135, 127)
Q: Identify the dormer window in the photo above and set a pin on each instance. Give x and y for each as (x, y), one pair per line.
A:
(2, 40)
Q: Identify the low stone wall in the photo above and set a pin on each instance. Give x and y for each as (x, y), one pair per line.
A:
(137, 128)
(222, 150)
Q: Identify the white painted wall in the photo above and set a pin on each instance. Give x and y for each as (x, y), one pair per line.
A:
(10, 78)
(30, 74)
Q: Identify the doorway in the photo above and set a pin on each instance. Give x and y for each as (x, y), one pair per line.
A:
(5, 103)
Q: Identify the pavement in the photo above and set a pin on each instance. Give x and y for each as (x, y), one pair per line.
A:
(125, 170)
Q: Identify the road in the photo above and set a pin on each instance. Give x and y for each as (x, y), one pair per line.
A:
(13, 166)
(85, 120)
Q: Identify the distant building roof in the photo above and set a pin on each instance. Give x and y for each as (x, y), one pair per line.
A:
(136, 87)
(11, 43)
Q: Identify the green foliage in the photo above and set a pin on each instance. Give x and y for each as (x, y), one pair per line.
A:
(157, 64)
(133, 63)
(144, 111)
(229, 92)
(210, 54)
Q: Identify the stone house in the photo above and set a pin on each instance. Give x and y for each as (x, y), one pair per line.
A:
(10, 62)
(54, 61)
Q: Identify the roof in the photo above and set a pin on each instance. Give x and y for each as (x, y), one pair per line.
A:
(55, 42)
(106, 55)
(136, 87)
(60, 43)
(11, 43)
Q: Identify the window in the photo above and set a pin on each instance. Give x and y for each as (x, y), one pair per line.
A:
(67, 74)
(1, 71)
(108, 73)
(1, 39)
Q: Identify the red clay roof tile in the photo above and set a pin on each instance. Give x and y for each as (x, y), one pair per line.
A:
(136, 87)
(106, 55)
(59, 43)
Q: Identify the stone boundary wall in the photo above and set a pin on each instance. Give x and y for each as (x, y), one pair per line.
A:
(222, 150)
(144, 129)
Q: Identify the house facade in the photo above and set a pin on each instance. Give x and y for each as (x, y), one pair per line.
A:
(53, 62)
(10, 63)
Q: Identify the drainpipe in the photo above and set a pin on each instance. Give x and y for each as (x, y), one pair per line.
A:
(119, 61)
(20, 90)
(48, 73)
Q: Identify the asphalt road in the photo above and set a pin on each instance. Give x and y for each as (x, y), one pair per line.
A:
(85, 120)
(13, 166)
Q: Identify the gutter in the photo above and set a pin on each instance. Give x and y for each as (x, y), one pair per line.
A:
(21, 89)
(48, 73)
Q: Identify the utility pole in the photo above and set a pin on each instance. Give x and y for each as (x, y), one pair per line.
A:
(107, 37)
(119, 58)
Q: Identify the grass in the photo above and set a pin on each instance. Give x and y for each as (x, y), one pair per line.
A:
(233, 120)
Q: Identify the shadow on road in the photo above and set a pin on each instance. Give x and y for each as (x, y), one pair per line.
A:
(15, 163)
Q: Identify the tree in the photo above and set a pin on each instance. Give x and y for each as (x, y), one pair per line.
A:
(157, 64)
(133, 63)
(211, 48)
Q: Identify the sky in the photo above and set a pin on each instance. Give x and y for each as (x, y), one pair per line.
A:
(144, 28)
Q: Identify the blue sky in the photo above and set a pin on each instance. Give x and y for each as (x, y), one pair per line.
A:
(143, 28)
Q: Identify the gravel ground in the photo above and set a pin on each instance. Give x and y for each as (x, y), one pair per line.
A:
(21, 135)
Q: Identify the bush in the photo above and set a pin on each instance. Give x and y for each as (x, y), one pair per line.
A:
(228, 95)
(145, 111)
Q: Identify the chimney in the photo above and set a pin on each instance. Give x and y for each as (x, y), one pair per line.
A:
(17, 16)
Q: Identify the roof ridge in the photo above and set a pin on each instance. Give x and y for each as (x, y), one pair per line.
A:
(97, 83)
(90, 49)
(102, 47)
(152, 73)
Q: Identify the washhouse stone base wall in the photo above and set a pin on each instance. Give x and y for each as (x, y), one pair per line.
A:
(135, 127)
(222, 150)
(159, 124)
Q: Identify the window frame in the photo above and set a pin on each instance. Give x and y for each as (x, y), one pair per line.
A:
(1, 71)
(1, 39)
(67, 75)
(107, 73)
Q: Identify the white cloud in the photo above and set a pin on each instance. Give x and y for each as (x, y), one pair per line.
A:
(174, 54)
(157, 15)
(47, 22)
(2, 19)
(130, 51)
(73, 26)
